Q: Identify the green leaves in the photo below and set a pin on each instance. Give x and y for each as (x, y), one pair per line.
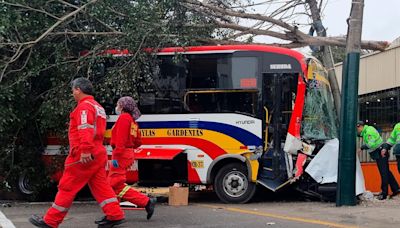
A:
(35, 94)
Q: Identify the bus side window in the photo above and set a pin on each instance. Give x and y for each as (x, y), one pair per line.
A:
(163, 92)
(220, 101)
(195, 105)
(202, 73)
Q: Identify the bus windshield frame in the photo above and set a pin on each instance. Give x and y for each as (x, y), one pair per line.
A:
(319, 118)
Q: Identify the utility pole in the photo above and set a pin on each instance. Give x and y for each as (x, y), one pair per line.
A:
(348, 115)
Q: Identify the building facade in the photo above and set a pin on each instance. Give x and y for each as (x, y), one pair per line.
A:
(379, 87)
(379, 102)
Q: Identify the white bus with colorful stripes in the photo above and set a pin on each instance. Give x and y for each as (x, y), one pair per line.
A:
(232, 117)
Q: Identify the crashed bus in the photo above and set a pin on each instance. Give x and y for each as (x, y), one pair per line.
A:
(232, 117)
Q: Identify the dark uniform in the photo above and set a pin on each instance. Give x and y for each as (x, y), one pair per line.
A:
(373, 143)
(394, 140)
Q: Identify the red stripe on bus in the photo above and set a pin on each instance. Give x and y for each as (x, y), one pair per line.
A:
(208, 147)
(295, 120)
(193, 176)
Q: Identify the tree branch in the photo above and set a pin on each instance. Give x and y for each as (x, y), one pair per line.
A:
(117, 12)
(68, 4)
(136, 53)
(252, 30)
(97, 19)
(116, 33)
(242, 15)
(23, 66)
(62, 19)
(91, 52)
(291, 34)
(30, 8)
(303, 40)
(231, 42)
(29, 44)
(16, 55)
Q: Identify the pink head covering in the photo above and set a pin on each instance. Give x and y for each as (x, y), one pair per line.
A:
(129, 105)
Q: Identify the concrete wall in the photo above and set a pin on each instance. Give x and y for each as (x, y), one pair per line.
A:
(378, 71)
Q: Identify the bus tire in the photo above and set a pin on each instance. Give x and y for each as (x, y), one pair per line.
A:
(24, 186)
(232, 184)
(25, 189)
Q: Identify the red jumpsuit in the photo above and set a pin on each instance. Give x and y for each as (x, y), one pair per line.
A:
(125, 137)
(86, 132)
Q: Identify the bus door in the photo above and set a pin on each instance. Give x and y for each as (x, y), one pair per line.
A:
(278, 98)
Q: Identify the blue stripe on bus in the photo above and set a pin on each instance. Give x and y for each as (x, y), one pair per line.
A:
(243, 136)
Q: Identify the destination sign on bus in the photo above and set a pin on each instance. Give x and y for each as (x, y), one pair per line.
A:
(171, 132)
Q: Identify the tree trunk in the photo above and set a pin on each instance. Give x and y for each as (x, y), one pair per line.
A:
(355, 27)
(327, 58)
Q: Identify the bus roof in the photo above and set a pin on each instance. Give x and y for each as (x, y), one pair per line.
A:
(232, 48)
(215, 50)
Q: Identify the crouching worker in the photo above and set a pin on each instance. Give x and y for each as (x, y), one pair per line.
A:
(125, 137)
(373, 143)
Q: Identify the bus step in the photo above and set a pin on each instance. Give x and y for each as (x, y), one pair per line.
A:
(327, 188)
(266, 173)
(273, 185)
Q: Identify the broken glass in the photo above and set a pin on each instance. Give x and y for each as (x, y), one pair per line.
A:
(319, 115)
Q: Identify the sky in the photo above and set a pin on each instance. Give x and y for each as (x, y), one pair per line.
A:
(380, 22)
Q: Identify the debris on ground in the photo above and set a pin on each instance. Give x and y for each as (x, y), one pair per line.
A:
(5, 204)
(367, 196)
(369, 199)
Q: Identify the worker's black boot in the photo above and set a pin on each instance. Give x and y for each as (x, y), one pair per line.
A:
(105, 223)
(38, 221)
(98, 221)
(382, 197)
(150, 207)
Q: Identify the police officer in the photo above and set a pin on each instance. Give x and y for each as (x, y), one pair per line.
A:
(373, 143)
(394, 140)
(85, 163)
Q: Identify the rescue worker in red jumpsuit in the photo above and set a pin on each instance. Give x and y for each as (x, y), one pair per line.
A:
(85, 163)
(125, 137)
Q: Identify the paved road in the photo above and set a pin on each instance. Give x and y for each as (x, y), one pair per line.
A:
(195, 215)
(208, 212)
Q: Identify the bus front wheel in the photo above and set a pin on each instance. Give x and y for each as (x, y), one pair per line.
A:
(232, 184)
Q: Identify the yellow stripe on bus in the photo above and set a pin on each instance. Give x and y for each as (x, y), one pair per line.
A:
(314, 69)
(226, 142)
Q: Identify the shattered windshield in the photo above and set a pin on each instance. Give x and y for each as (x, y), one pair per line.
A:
(319, 115)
